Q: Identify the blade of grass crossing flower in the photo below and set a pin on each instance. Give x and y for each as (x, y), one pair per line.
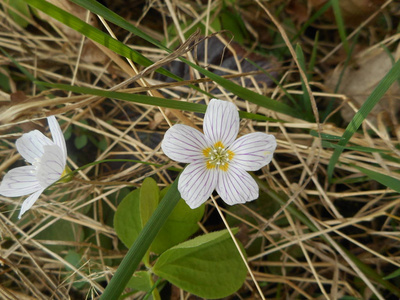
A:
(244, 93)
(365, 109)
(340, 24)
(367, 270)
(132, 259)
(386, 180)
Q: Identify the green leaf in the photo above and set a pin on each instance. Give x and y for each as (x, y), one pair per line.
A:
(74, 259)
(142, 281)
(208, 266)
(180, 225)
(234, 23)
(80, 141)
(127, 221)
(20, 8)
(149, 196)
(61, 231)
(386, 180)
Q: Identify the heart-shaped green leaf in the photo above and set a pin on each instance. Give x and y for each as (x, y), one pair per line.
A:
(208, 266)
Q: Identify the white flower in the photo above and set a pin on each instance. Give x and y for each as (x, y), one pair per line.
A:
(216, 160)
(48, 159)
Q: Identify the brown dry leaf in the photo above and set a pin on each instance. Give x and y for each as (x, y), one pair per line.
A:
(361, 78)
(92, 54)
(298, 10)
(17, 97)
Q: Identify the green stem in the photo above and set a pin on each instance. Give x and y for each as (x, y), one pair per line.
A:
(132, 259)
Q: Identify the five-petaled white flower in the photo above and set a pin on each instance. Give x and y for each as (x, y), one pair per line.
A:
(216, 160)
(48, 159)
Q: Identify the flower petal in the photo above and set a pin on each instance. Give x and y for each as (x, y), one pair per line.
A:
(221, 122)
(253, 151)
(30, 145)
(57, 134)
(196, 183)
(20, 182)
(28, 202)
(51, 165)
(184, 143)
(236, 186)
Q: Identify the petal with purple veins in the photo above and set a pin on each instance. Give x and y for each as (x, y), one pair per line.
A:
(184, 143)
(51, 165)
(196, 183)
(30, 145)
(57, 135)
(236, 186)
(28, 202)
(221, 122)
(253, 151)
(20, 182)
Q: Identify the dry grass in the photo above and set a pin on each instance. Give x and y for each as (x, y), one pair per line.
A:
(287, 259)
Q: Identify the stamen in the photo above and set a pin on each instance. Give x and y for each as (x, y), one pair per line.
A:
(218, 156)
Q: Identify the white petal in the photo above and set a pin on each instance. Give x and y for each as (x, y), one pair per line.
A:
(236, 186)
(57, 134)
(221, 122)
(184, 143)
(30, 145)
(20, 182)
(27, 204)
(196, 183)
(253, 151)
(51, 165)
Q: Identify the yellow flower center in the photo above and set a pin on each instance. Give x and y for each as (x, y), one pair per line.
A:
(218, 156)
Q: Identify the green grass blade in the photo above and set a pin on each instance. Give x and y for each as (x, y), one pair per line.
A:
(386, 180)
(353, 148)
(365, 109)
(306, 103)
(314, 53)
(340, 24)
(132, 259)
(148, 100)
